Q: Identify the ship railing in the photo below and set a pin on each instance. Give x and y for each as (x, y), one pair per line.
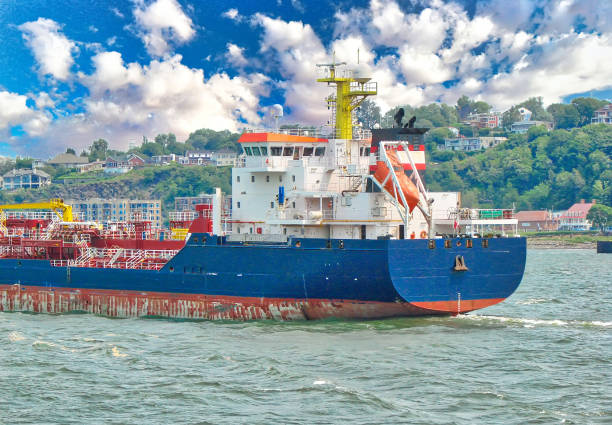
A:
(479, 214)
(30, 215)
(309, 214)
(292, 131)
(109, 253)
(182, 215)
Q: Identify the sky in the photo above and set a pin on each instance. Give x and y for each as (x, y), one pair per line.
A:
(75, 71)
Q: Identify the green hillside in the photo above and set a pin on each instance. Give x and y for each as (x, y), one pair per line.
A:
(536, 170)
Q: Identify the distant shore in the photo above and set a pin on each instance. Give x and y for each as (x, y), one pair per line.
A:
(564, 241)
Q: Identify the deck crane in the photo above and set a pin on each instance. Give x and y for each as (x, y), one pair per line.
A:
(57, 205)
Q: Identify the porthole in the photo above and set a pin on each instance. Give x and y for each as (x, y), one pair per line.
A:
(458, 242)
(485, 243)
(171, 269)
(468, 243)
(298, 244)
(341, 244)
(447, 243)
(431, 244)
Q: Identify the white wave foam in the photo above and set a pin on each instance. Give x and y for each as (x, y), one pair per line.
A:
(117, 353)
(530, 301)
(15, 336)
(599, 323)
(530, 323)
(321, 382)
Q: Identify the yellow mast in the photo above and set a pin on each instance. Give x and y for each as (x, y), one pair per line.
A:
(351, 90)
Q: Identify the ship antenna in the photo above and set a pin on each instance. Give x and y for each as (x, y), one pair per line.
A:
(352, 89)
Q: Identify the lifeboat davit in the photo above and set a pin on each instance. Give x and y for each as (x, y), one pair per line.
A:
(411, 193)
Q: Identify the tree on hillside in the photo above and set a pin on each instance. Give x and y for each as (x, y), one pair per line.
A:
(98, 150)
(601, 216)
(152, 149)
(466, 106)
(564, 115)
(70, 150)
(536, 106)
(586, 106)
(165, 139)
(205, 138)
(23, 163)
(368, 113)
(510, 116)
(437, 135)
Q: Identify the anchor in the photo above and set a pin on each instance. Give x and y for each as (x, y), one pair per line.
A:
(460, 264)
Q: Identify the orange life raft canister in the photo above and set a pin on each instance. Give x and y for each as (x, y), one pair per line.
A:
(411, 193)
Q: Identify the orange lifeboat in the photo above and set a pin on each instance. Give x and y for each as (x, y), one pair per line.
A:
(411, 193)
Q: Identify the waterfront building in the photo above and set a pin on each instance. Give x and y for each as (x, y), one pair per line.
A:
(91, 166)
(165, 159)
(525, 123)
(188, 203)
(536, 221)
(25, 178)
(485, 120)
(68, 160)
(603, 115)
(468, 144)
(575, 218)
(124, 163)
(105, 210)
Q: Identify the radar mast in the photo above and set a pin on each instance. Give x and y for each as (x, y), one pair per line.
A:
(352, 88)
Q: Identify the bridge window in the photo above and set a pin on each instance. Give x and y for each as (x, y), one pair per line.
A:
(276, 151)
(308, 151)
(320, 151)
(255, 151)
(264, 150)
(247, 150)
(288, 151)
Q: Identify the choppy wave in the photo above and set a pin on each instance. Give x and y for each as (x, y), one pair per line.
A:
(527, 322)
(15, 336)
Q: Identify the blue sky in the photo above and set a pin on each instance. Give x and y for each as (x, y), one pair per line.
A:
(75, 71)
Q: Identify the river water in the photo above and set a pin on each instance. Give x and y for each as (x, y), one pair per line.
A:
(542, 356)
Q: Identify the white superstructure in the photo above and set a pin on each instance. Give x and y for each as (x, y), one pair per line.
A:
(315, 187)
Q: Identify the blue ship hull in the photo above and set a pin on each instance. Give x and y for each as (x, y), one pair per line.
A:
(212, 278)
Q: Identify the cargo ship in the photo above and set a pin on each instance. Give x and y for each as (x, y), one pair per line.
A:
(322, 224)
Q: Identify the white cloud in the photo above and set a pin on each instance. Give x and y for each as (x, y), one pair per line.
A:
(129, 100)
(232, 14)
(51, 49)
(570, 64)
(117, 12)
(296, 50)
(162, 22)
(43, 100)
(235, 55)
(14, 112)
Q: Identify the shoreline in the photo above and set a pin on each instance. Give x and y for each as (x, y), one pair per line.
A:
(556, 244)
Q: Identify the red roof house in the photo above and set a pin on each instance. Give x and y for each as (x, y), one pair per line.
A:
(575, 217)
